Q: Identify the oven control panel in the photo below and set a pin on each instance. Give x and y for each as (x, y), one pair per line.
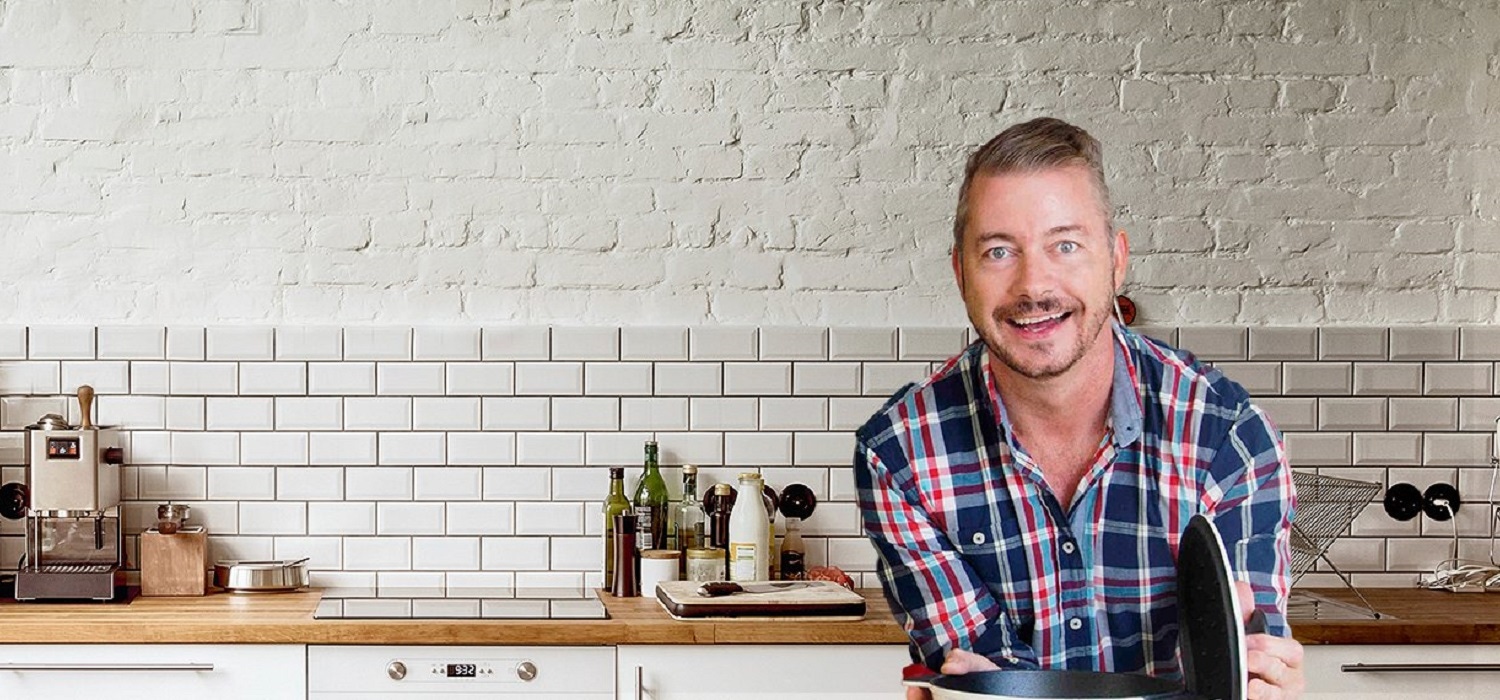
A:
(463, 670)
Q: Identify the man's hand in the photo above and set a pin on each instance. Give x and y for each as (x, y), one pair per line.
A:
(957, 663)
(1274, 663)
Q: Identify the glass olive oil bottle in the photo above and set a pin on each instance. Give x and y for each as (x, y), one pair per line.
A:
(651, 502)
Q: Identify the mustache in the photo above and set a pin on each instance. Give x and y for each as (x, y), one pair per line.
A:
(1030, 307)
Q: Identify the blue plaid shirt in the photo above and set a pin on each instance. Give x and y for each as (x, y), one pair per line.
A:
(976, 553)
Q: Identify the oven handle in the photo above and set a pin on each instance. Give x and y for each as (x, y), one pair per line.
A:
(640, 683)
(1417, 668)
(18, 667)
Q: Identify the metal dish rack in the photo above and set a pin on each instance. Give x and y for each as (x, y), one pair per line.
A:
(1326, 506)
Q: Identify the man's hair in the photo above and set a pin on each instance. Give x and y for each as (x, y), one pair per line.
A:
(1039, 144)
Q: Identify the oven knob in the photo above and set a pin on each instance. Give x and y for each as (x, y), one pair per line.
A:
(396, 670)
(526, 671)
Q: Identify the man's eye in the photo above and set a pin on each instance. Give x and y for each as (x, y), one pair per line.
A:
(997, 253)
(1067, 247)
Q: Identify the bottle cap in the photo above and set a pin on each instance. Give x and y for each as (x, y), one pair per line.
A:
(689, 469)
(750, 476)
(617, 472)
(722, 489)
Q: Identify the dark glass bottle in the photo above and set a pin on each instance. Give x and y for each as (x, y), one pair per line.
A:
(651, 502)
(719, 519)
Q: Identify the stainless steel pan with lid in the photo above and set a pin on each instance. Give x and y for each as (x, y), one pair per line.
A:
(261, 576)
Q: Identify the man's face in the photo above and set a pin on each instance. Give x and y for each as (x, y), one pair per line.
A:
(1036, 269)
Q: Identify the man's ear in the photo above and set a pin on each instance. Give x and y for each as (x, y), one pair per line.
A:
(958, 270)
(1121, 260)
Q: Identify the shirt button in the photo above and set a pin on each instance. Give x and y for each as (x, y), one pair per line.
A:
(1075, 624)
(1068, 548)
(979, 538)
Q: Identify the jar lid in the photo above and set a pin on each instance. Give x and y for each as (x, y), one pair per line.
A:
(659, 554)
(705, 553)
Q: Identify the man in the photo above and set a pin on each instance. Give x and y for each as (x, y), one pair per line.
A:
(1026, 499)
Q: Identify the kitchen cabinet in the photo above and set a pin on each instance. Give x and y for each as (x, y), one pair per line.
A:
(761, 672)
(471, 672)
(1400, 672)
(154, 671)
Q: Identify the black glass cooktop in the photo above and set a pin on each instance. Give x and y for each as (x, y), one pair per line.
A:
(460, 604)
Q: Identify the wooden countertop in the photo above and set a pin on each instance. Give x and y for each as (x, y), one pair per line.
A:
(1420, 617)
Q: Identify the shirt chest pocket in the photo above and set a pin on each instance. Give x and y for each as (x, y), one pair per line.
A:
(978, 540)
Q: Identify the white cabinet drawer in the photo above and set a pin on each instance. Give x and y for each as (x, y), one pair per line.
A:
(762, 672)
(1401, 672)
(555, 673)
(155, 671)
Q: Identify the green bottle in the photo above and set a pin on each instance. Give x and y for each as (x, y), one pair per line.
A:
(651, 502)
(614, 504)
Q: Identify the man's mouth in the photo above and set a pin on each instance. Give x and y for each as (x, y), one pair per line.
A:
(1037, 326)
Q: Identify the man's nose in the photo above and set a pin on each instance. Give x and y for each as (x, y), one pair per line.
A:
(1035, 276)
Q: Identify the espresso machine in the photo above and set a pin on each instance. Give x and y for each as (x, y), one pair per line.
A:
(74, 543)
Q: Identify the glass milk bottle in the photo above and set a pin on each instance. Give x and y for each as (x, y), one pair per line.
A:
(749, 533)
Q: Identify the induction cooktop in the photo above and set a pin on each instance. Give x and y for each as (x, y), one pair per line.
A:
(460, 604)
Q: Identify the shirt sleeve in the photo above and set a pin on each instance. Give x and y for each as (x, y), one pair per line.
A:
(1252, 501)
(936, 596)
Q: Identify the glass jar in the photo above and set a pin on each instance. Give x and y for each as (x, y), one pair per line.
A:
(705, 564)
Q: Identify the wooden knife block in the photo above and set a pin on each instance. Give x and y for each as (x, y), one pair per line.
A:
(175, 564)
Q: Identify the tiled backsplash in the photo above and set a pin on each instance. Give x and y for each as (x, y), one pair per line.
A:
(467, 455)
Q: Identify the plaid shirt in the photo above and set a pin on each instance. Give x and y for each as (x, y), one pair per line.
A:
(976, 553)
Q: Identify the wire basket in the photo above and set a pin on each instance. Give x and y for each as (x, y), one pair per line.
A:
(1326, 506)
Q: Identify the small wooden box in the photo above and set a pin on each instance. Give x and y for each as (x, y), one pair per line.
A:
(175, 564)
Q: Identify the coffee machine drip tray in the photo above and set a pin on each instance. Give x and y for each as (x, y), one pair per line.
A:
(66, 582)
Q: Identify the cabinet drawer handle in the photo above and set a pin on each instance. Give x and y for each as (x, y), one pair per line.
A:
(1416, 668)
(105, 667)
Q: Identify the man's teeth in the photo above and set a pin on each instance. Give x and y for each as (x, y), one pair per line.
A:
(1039, 319)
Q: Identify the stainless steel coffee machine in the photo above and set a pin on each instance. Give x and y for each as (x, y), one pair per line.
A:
(74, 544)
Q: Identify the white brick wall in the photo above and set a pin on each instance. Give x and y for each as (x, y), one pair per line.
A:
(727, 161)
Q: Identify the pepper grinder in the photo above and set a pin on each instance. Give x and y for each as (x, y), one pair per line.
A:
(627, 583)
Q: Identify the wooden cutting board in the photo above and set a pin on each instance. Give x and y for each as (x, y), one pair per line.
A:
(818, 599)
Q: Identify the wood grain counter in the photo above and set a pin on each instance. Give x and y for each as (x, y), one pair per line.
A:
(1417, 617)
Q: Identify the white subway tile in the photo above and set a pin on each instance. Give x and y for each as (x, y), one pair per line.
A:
(445, 413)
(1214, 343)
(1283, 344)
(862, 343)
(815, 478)
(884, 378)
(716, 413)
(1385, 378)
(481, 379)
(310, 484)
(1424, 343)
(757, 378)
(1458, 378)
(341, 378)
(543, 581)
(377, 413)
(1317, 378)
(1357, 554)
(12, 455)
(814, 449)
(549, 378)
(320, 552)
(591, 483)
(273, 518)
(204, 378)
(646, 343)
(1318, 449)
(1353, 343)
(1456, 449)
(482, 449)
(273, 378)
(549, 448)
(445, 553)
(1351, 414)
(585, 344)
(1161, 334)
(826, 378)
(841, 485)
(341, 448)
(1426, 414)
(447, 483)
(277, 449)
(456, 343)
(61, 343)
(517, 413)
(519, 343)
(612, 448)
(1478, 413)
(482, 582)
(378, 483)
(931, 343)
(1387, 449)
(240, 413)
(515, 553)
(793, 343)
(345, 583)
(150, 377)
(252, 548)
(801, 413)
(722, 343)
(205, 448)
(688, 379)
(21, 411)
(149, 448)
(309, 343)
(852, 553)
(13, 342)
(377, 553)
(577, 553)
(691, 448)
(341, 518)
(654, 414)
(133, 412)
(413, 448)
(377, 343)
(1288, 413)
(241, 483)
(30, 378)
(220, 518)
(185, 343)
(834, 519)
(1479, 343)
(1258, 378)
(617, 378)
(585, 413)
(409, 378)
(185, 413)
(132, 342)
(409, 519)
(480, 518)
(241, 343)
(309, 413)
(172, 483)
(549, 518)
(757, 449)
(517, 483)
(430, 584)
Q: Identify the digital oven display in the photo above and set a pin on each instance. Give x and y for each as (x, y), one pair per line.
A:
(462, 671)
(62, 448)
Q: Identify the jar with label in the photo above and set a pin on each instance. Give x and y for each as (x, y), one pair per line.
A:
(705, 564)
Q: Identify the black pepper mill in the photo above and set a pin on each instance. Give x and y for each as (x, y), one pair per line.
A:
(627, 583)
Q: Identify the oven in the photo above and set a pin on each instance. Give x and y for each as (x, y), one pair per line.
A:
(470, 672)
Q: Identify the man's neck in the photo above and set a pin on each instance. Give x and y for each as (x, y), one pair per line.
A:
(1073, 405)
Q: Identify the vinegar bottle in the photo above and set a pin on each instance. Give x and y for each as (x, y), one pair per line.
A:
(749, 534)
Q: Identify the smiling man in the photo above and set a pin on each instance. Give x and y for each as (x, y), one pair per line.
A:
(1026, 499)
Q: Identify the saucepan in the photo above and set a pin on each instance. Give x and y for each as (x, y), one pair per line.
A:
(1211, 633)
(261, 576)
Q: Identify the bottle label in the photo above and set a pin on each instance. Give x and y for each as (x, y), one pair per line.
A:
(643, 518)
(742, 558)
